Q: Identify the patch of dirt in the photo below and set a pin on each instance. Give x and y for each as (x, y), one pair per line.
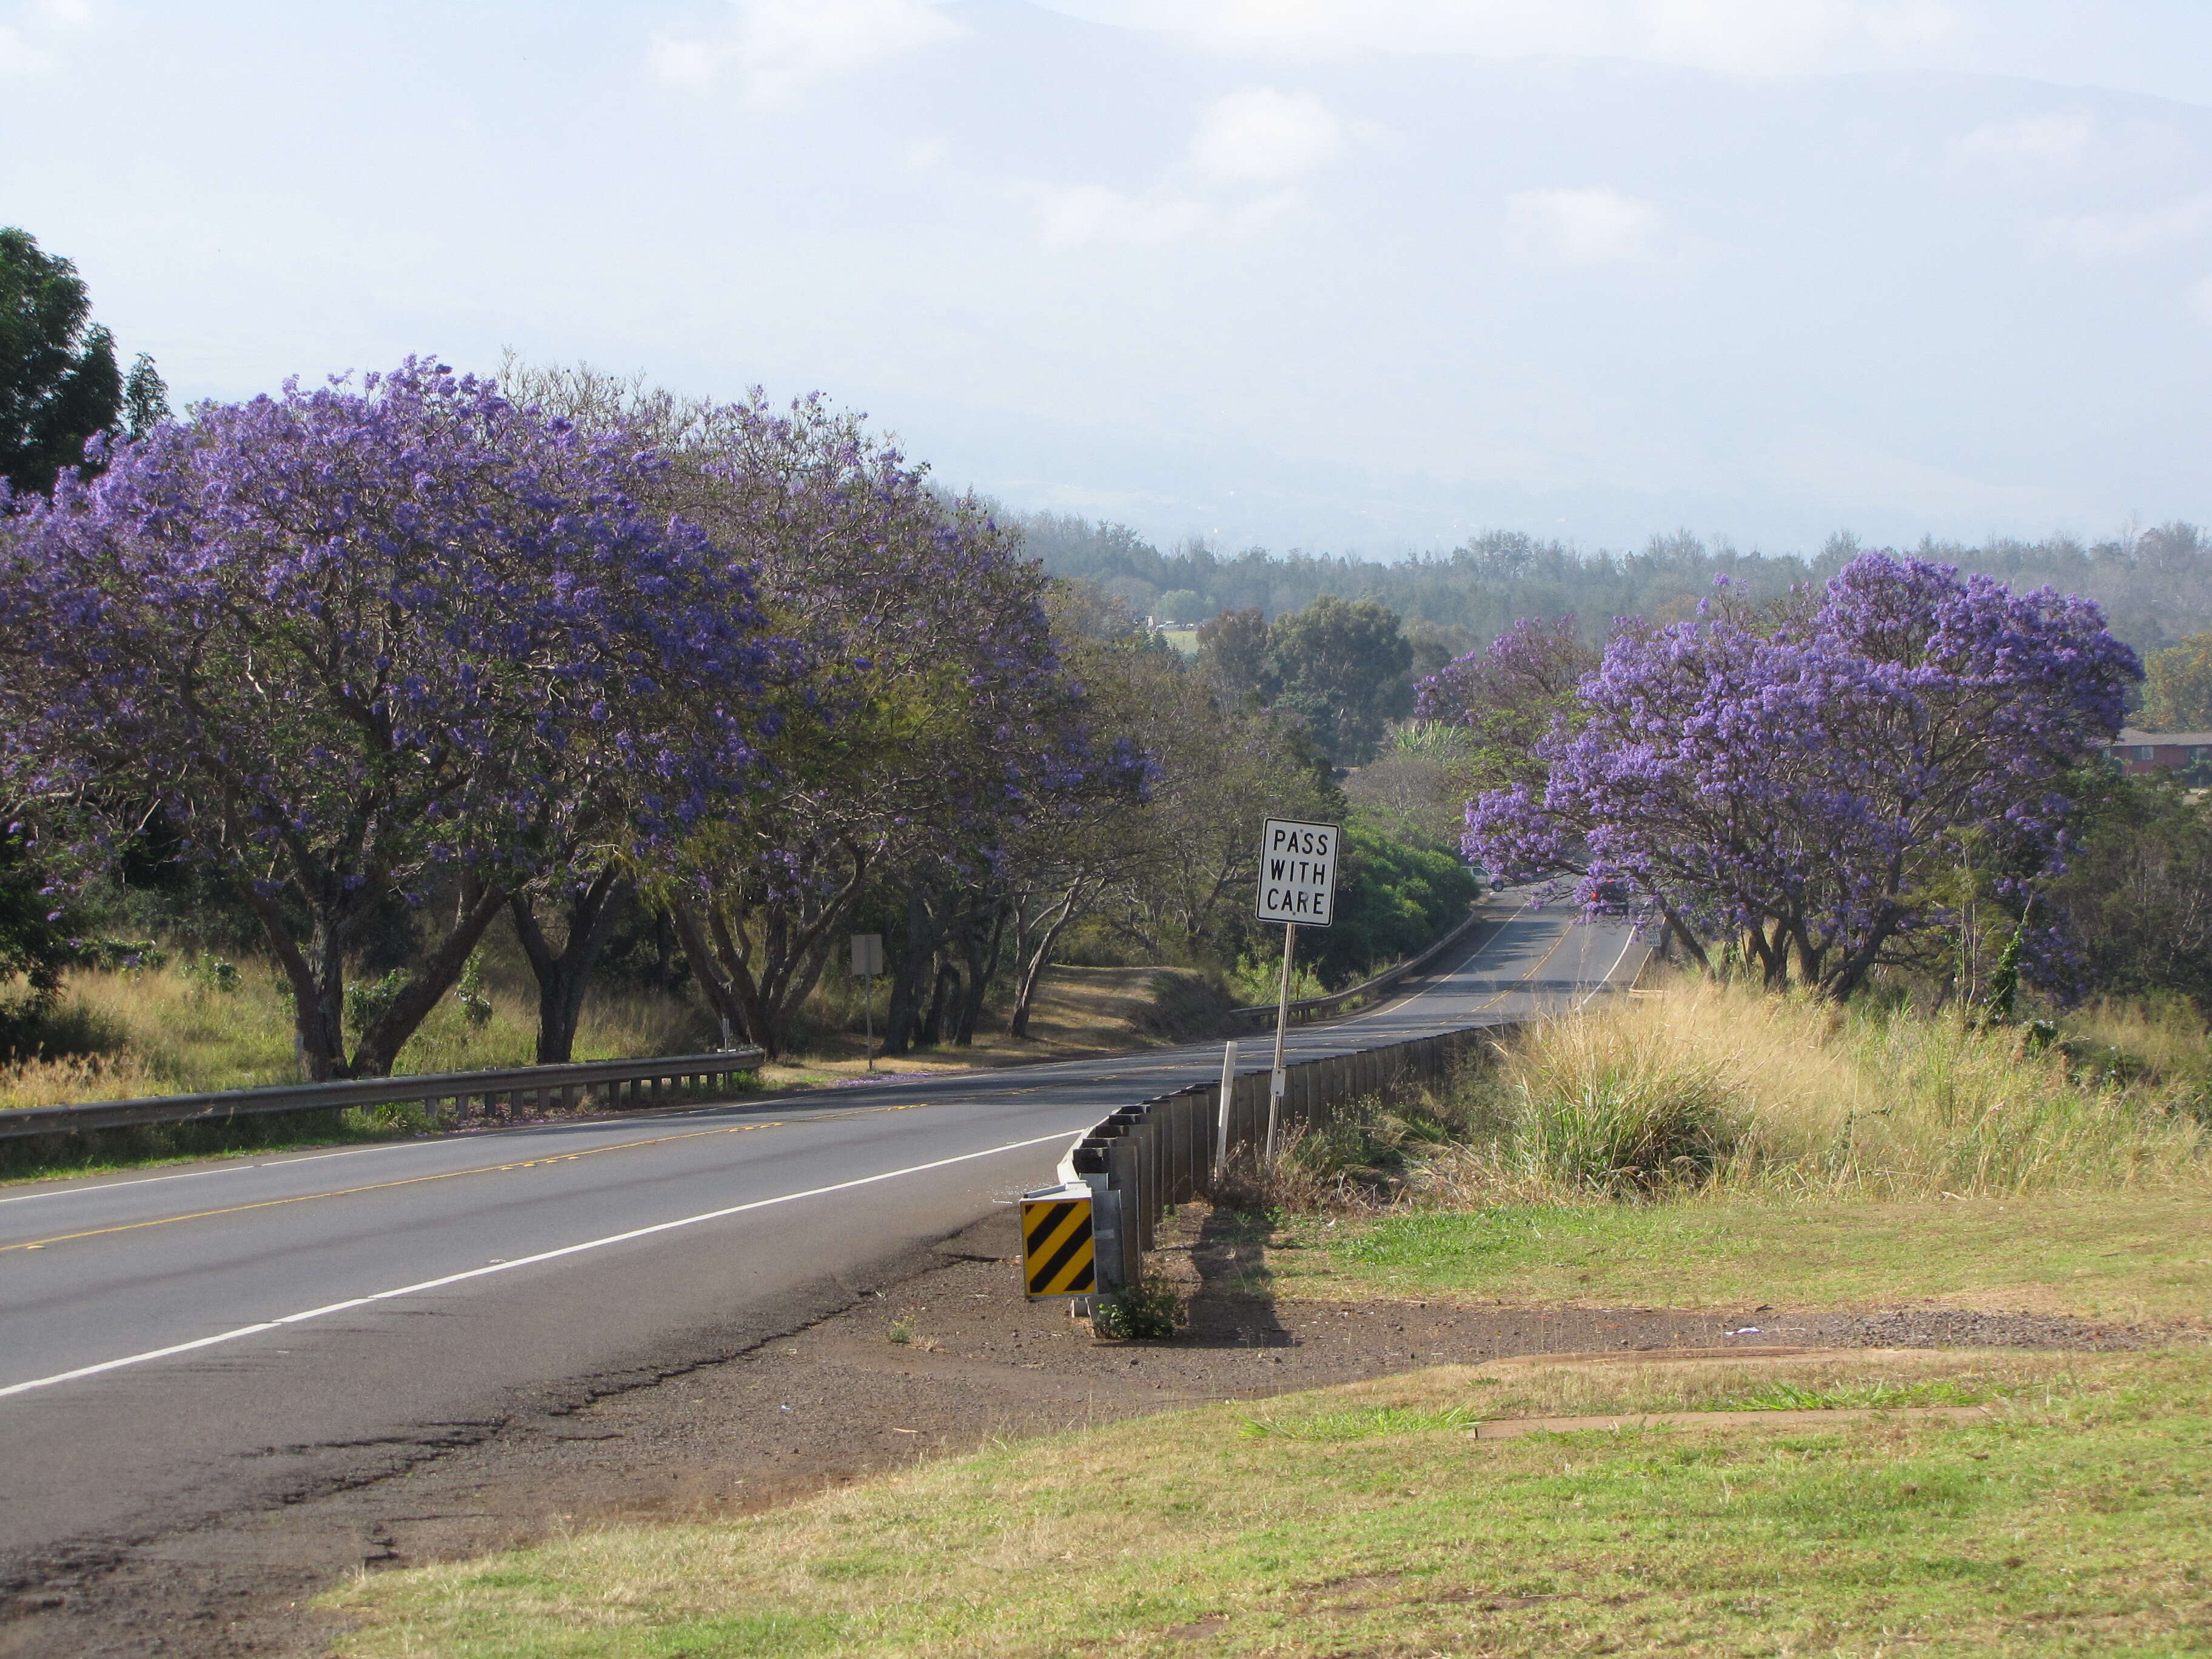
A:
(1079, 1012)
(841, 1399)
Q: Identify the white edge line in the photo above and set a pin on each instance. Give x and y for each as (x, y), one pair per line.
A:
(520, 1261)
(1626, 945)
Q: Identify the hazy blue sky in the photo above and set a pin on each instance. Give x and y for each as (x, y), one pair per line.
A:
(1343, 274)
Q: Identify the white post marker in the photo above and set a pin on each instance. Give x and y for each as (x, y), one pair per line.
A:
(867, 962)
(1297, 884)
(1228, 1099)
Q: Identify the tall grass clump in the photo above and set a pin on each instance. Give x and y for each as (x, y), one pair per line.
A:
(1719, 1089)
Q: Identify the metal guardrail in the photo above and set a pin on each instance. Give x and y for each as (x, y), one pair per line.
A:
(1310, 1007)
(648, 1083)
(1172, 1149)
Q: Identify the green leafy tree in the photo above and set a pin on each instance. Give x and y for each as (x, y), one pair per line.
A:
(35, 945)
(1232, 648)
(2178, 687)
(1342, 665)
(145, 398)
(2136, 899)
(58, 381)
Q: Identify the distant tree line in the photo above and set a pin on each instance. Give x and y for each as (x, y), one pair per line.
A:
(2154, 588)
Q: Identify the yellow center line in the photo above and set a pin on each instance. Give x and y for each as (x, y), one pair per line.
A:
(1530, 975)
(453, 1175)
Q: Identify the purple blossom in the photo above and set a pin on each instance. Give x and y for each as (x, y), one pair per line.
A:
(1801, 789)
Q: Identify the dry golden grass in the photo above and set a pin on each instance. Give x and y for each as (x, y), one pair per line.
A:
(1718, 1088)
(173, 1030)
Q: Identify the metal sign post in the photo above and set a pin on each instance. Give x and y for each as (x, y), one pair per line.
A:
(1297, 884)
(867, 962)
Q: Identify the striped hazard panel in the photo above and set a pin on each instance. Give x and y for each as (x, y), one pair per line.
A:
(1056, 1253)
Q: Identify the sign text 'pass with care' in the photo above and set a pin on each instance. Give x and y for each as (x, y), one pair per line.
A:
(1297, 872)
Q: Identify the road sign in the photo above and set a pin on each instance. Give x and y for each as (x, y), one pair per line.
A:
(1297, 872)
(1058, 1257)
(867, 955)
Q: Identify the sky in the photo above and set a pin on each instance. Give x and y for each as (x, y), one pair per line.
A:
(1352, 275)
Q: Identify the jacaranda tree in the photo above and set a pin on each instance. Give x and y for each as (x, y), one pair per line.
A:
(358, 639)
(1510, 695)
(931, 714)
(1808, 788)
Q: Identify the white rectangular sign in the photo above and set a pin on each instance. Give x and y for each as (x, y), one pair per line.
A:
(867, 954)
(1297, 872)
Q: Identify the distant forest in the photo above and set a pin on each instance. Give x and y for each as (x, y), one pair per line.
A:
(2155, 588)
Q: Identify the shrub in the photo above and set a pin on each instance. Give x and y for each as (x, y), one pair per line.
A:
(1148, 1312)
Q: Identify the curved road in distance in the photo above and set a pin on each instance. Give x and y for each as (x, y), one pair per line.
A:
(229, 1337)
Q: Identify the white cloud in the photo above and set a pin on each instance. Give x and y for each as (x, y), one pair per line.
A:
(19, 56)
(26, 45)
(2200, 299)
(1073, 215)
(1581, 227)
(777, 50)
(2132, 234)
(1750, 36)
(1258, 135)
(1255, 137)
(2032, 141)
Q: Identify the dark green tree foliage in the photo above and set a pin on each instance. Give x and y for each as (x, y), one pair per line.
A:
(2178, 687)
(2136, 897)
(145, 398)
(35, 945)
(58, 381)
(1393, 901)
(1342, 666)
(1233, 648)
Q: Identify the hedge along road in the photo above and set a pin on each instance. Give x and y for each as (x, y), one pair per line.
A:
(226, 1338)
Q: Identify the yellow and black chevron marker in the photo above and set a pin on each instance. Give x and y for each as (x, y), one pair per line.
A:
(1057, 1258)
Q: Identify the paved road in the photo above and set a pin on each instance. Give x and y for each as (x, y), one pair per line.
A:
(205, 1341)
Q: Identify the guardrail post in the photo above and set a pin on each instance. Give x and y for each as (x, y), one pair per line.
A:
(1123, 1174)
(1228, 1101)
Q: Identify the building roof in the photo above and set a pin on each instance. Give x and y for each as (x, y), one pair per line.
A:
(2132, 738)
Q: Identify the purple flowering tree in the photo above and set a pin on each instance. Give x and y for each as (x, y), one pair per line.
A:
(1808, 788)
(920, 708)
(1510, 695)
(356, 641)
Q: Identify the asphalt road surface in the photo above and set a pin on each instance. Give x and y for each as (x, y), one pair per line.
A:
(234, 1336)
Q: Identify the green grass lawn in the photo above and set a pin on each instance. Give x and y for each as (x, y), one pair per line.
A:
(1367, 1521)
(2141, 1256)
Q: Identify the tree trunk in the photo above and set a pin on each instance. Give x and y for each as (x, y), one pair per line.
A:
(918, 950)
(564, 977)
(1033, 970)
(722, 996)
(380, 1044)
(757, 968)
(942, 995)
(1690, 942)
(983, 944)
(317, 977)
